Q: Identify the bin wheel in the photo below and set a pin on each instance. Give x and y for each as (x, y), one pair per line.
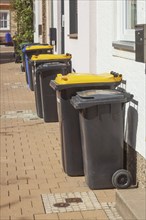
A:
(122, 179)
(17, 59)
(22, 68)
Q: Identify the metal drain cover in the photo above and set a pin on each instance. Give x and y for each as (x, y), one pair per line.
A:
(61, 205)
(76, 200)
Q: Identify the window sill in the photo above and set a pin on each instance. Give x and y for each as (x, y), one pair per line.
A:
(124, 45)
(73, 36)
(124, 49)
(4, 29)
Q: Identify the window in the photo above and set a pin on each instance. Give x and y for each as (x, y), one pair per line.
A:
(128, 14)
(128, 19)
(131, 13)
(4, 20)
(73, 15)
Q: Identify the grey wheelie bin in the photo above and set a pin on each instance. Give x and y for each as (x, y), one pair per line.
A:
(66, 87)
(101, 114)
(39, 59)
(42, 74)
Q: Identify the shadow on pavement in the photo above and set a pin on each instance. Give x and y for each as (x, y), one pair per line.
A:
(6, 57)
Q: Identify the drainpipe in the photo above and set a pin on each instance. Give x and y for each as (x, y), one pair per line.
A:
(44, 21)
(52, 14)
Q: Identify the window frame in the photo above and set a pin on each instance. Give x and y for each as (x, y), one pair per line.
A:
(8, 20)
(73, 20)
(123, 33)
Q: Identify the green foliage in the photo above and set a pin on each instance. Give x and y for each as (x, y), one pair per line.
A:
(24, 19)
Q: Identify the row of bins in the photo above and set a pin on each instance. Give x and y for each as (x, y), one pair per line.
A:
(91, 115)
(30, 50)
(90, 109)
(45, 67)
(66, 87)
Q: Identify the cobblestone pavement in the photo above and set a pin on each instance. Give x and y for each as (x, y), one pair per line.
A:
(32, 182)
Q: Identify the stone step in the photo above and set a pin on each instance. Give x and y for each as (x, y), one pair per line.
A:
(131, 203)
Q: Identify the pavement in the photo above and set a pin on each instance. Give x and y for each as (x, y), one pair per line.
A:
(32, 181)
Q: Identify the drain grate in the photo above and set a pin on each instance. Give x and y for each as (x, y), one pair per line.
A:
(61, 205)
(70, 202)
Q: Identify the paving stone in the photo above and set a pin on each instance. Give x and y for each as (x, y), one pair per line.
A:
(46, 217)
(71, 215)
(23, 217)
(5, 212)
(37, 205)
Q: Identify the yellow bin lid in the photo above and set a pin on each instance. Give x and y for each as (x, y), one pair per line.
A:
(77, 78)
(42, 57)
(39, 47)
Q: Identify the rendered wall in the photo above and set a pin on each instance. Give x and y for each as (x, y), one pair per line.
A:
(133, 72)
(79, 48)
(37, 20)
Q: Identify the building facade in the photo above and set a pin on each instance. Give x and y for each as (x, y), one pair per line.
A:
(7, 20)
(100, 35)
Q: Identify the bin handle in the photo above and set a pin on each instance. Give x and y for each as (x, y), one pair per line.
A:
(68, 54)
(89, 97)
(115, 74)
(64, 78)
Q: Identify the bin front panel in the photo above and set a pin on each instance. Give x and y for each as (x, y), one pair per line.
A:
(102, 143)
(37, 93)
(27, 69)
(70, 134)
(48, 95)
(72, 159)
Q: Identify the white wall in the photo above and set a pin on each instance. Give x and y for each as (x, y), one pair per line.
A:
(93, 36)
(56, 24)
(38, 20)
(48, 19)
(133, 72)
(79, 48)
(105, 35)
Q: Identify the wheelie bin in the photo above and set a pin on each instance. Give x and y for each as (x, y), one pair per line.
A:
(66, 87)
(8, 39)
(22, 46)
(34, 50)
(18, 54)
(101, 114)
(38, 61)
